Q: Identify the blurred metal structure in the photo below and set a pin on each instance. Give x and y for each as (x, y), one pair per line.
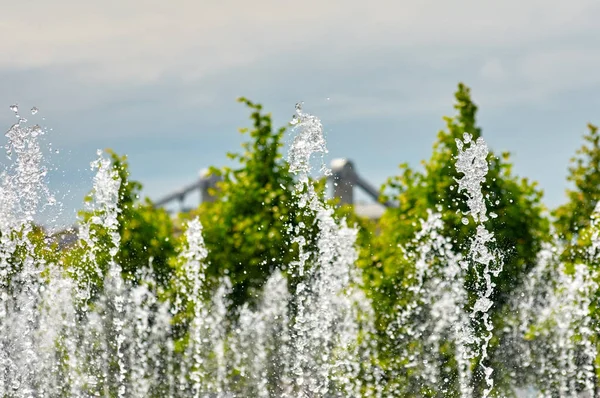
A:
(344, 179)
(205, 183)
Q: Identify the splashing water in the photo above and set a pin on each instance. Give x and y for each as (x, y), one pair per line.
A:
(563, 356)
(86, 331)
(104, 212)
(436, 313)
(327, 297)
(472, 163)
(23, 190)
(118, 340)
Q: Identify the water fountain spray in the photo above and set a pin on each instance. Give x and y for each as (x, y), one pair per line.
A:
(472, 162)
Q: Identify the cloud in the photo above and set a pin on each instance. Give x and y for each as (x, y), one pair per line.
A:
(376, 58)
(140, 41)
(561, 68)
(493, 70)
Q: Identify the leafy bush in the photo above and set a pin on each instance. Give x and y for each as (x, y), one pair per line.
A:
(248, 228)
(146, 234)
(519, 226)
(574, 216)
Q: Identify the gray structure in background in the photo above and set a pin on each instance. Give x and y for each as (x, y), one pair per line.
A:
(207, 182)
(344, 177)
(204, 184)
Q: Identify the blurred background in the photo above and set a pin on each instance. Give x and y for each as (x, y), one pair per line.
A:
(158, 80)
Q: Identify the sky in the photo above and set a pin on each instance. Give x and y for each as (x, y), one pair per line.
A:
(157, 80)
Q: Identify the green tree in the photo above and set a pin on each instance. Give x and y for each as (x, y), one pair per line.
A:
(30, 241)
(573, 217)
(146, 233)
(519, 227)
(247, 230)
(573, 221)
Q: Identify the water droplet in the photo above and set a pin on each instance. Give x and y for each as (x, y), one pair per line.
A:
(493, 215)
(36, 130)
(57, 151)
(299, 106)
(465, 220)
(34, 110)
(14, 108)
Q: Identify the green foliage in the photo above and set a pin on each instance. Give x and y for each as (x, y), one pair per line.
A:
(146, 234)
(519, 227)
(146, 231)
(575, 221)
(573, 217)
(30, 240)
(246, 230)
